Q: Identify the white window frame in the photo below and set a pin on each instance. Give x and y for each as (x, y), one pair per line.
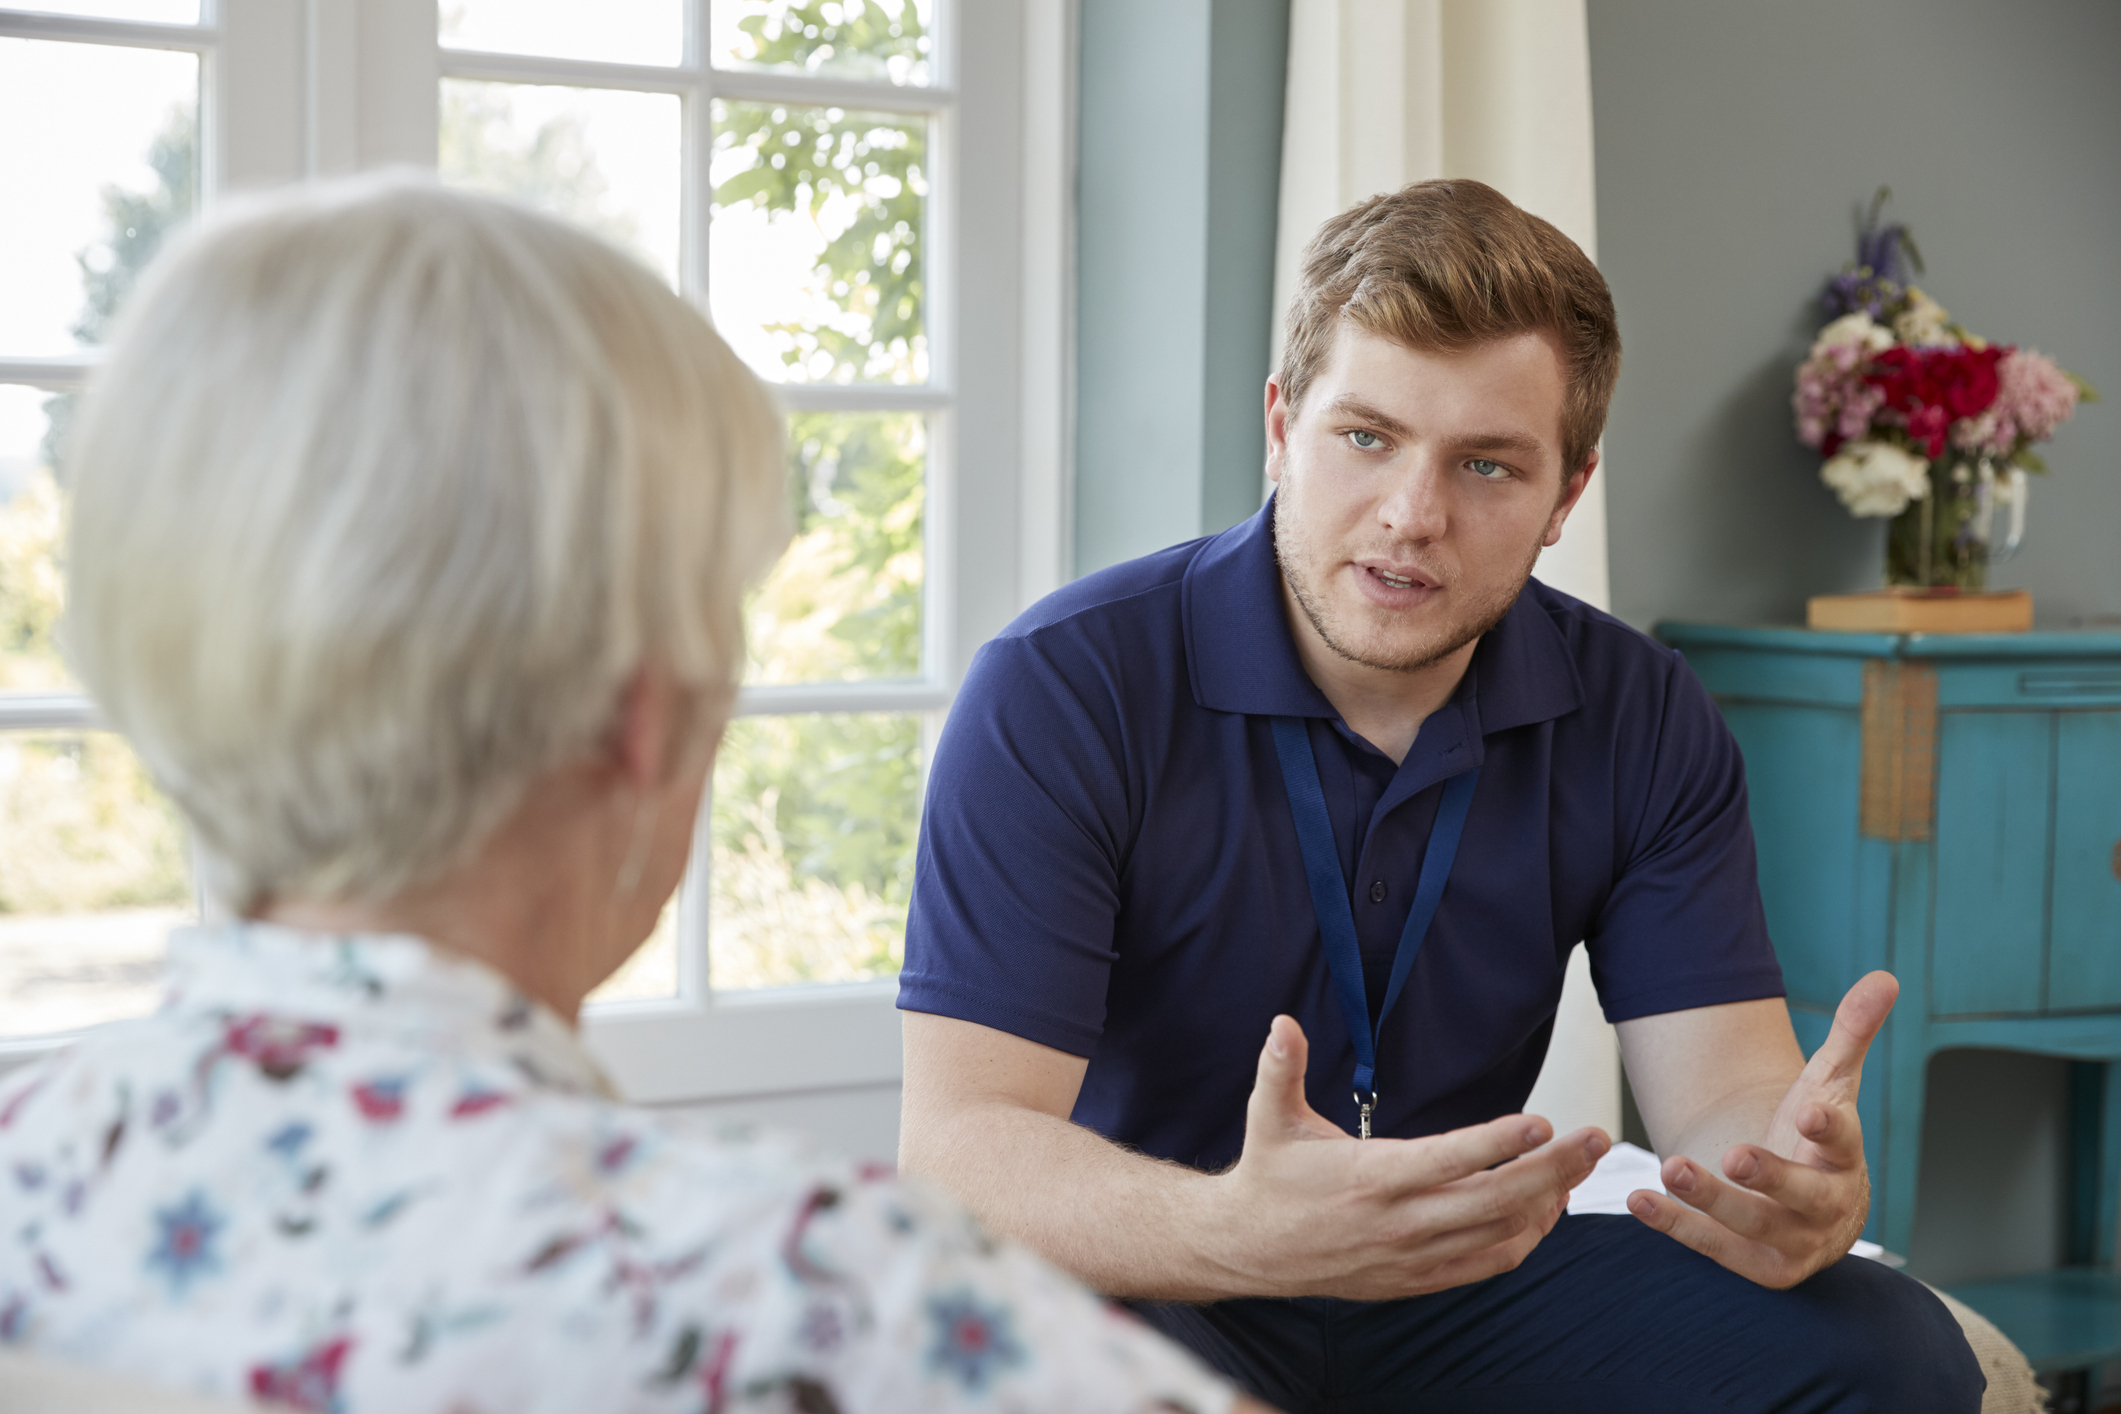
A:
(298, 88)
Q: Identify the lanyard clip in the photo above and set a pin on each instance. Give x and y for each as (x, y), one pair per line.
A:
(1362, 1112)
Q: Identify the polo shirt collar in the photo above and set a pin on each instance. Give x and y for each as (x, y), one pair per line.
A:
(1241, 658)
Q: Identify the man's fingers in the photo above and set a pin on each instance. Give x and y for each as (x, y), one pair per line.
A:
(1832, 1128)
(1799, 1187)
(1535, 1185)
(1711, 1239)
(1856, 1023)
(1747, 1214)
(1431, 1162)
(1445, 1158)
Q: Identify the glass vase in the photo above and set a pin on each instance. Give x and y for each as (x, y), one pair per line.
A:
(1942, 540)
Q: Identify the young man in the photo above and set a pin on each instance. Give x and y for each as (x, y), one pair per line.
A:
(1344, 778)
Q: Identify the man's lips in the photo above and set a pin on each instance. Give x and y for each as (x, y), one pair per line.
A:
(1399, 577)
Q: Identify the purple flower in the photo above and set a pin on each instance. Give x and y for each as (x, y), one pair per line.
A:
(184, 1248)
(972, 1341)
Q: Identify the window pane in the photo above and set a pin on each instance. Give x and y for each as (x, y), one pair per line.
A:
(845, 601)
(163, 12)
(814, 266)
(601, 157)
(885, 41)
(814, 820)
(30, 583)
(93, 874)
(652, 973)
(111, 167)
(613, 31)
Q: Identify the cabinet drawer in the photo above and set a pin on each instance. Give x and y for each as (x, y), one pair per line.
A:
(2036, 684)
(1995, 804)
(2084, 965)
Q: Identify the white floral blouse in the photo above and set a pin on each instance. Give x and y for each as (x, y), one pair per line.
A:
(357, 1174)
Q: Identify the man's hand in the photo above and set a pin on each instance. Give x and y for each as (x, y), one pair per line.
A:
(1310, 1211)
(1795, 1202)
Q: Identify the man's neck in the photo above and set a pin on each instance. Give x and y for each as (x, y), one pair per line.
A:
(1383, 706)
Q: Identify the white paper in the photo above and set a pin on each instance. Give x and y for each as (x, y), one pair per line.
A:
(1626, 1168)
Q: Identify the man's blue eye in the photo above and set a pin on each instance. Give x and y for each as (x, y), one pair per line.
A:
(1365, 440)
(1487, 470)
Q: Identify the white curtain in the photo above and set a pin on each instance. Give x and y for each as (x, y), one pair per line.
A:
(1386, 92)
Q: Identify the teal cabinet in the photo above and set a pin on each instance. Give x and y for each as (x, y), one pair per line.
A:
(1947, 808)
(2084, 965)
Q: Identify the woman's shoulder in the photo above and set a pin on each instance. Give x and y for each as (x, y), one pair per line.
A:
(276, 1212)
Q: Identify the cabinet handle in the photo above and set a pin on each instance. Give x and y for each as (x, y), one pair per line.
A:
(2117, 859)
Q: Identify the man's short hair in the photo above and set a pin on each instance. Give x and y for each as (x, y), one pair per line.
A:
(1445, 265)
(382, 495)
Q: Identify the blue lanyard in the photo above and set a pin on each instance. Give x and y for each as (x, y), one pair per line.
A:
(1329, 894)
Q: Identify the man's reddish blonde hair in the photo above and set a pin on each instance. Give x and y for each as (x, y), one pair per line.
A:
(1446, 265)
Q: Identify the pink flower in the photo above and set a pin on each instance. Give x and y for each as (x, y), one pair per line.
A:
(2033, 397)
(1833, 402)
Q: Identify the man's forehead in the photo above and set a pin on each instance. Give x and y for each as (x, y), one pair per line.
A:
(1515, 379)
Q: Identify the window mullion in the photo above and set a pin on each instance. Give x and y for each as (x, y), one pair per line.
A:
(254, 116)
(698, 195)
(130, 34)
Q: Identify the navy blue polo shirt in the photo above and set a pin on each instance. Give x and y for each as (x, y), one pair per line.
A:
(1108, 864)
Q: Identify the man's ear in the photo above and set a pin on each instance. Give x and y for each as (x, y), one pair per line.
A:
(1571, 493)
(1277, 428)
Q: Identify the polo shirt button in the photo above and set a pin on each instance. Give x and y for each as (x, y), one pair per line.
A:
(1378, 891)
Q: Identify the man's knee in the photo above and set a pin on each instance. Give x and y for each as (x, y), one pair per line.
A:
(1882, 1340)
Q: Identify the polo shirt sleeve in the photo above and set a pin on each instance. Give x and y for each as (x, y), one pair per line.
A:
(1683, 926)
(1016, 882)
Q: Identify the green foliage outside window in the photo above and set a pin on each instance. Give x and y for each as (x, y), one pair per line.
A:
(862, 177)
(814, 816)
(82, 828)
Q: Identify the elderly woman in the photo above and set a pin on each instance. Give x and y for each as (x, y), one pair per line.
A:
(409, 530)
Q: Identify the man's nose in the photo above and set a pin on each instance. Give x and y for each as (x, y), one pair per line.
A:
(1417, 507)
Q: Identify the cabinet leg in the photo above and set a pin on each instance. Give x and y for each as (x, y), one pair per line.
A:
(2106, 1180)
(1894, 1191)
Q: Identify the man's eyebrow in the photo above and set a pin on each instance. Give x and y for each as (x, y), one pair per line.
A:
(1348, 405)
(1500, 442)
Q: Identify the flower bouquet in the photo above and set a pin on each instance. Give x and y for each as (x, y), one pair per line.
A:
(1922, 420)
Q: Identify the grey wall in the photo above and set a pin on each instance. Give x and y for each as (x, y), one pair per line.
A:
(1734, 141)
(1180, 164)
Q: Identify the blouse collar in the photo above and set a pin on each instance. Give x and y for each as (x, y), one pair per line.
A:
(378, 984)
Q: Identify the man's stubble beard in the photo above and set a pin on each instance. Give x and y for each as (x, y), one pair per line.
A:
(1476, 623)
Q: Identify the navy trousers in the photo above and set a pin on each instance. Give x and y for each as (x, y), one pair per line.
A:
(1605, 1315)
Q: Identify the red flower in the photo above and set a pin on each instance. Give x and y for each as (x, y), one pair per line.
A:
(278, 1046)
(1927, 390)
(381, 1099)
(310, 1382)
(476, 1102)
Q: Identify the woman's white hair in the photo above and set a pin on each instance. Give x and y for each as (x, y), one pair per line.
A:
(382, 495)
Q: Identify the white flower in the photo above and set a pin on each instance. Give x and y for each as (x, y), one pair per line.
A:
(1856, 330)
(1876, 478)
(1923, 322)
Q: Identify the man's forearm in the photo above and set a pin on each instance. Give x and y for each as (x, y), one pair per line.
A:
(1127, 1225)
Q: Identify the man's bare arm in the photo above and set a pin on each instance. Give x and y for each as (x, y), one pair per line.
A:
(1305, 1211)
(1763, 1150)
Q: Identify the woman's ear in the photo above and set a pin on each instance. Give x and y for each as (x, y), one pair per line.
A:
(651, 730)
